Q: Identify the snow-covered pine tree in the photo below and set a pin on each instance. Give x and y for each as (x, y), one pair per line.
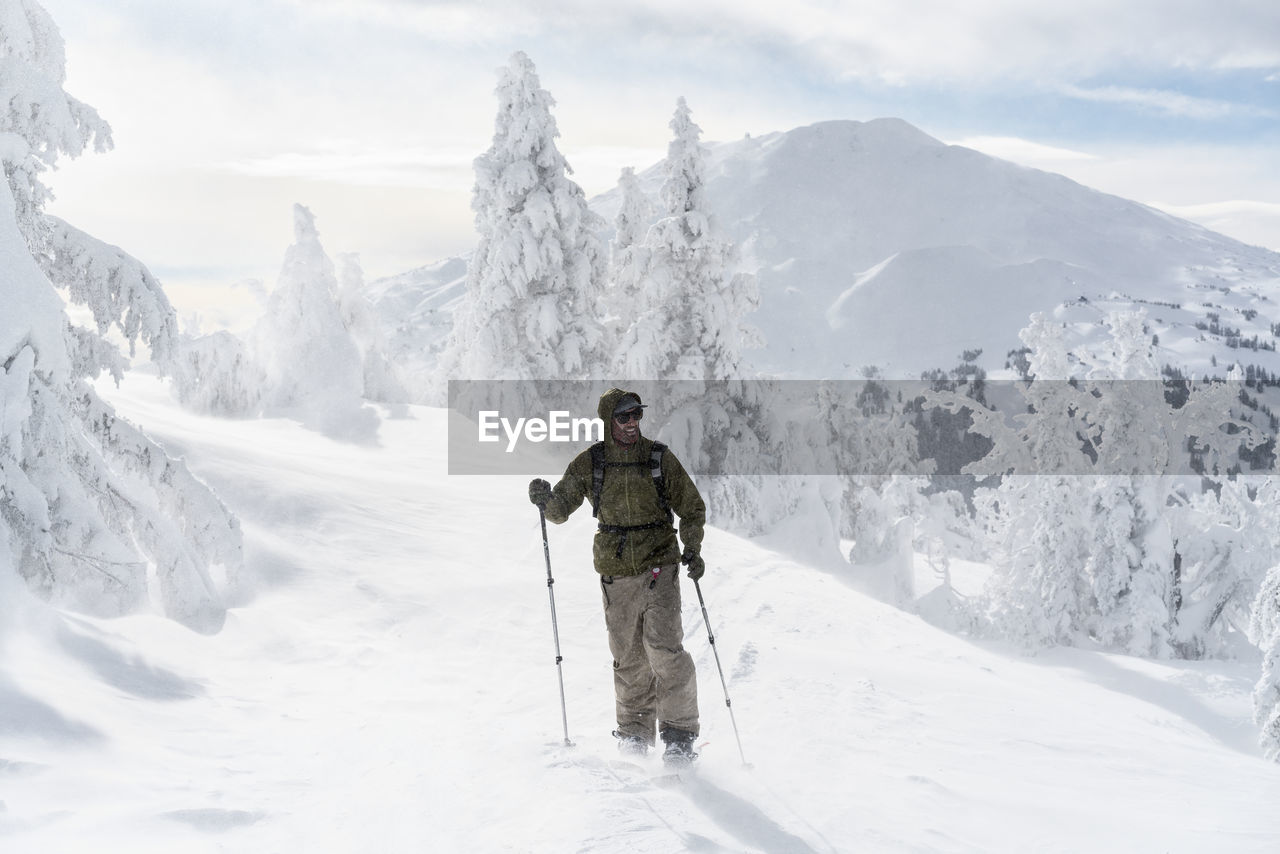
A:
(1085, 521)
(690, 321)
(532, 289)
(314, 317)
(872, 437)
(42, 121)
(117, 289)
(690, 314)
(313, 367)
(380, 380)
(689, 332)
(1039, 537)
(218, 375)
(635, 213)
(1163, 605)
(1226, 539)
(1131, 566)
(873, 445)
(628, 257)
(90, 508)
(1264, 630)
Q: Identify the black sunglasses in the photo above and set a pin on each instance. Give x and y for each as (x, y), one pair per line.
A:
(628, 417)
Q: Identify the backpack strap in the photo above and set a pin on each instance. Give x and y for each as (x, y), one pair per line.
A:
(660, 482)
(597, 477)
(598, 465)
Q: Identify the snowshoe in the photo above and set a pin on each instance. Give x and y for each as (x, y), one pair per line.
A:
(679, 752)
(631, 745)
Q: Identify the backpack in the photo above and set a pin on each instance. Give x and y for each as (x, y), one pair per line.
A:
(598, 466)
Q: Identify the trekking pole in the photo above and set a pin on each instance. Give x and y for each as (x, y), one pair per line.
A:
(555, 628)
(727, 702)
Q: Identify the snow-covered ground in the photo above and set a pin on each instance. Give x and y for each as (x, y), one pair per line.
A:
(387, 683)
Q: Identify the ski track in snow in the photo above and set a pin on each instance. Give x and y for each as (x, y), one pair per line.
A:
(386, 682)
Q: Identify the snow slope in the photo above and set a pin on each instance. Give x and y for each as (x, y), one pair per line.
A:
(415, 311)
(386, 683)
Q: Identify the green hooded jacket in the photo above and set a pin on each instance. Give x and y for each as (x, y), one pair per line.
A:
(629, 497)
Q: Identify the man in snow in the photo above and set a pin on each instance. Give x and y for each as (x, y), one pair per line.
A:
(635, 488)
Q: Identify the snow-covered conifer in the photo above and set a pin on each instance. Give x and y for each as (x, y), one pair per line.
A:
(874, 448)
(689, 332)
(313, 367)
(1038, 526)
(1225, 539)
(91, 509)
(1175, 580)
(635, 212)
(380, 380)
(217, 374)
(315, 352)
(41, 121)
(1086, 521)
(1264, 630)
(628, 257)
(532, 287)
(690, 322)
(886, 512)
(118, 290)
(690, 317)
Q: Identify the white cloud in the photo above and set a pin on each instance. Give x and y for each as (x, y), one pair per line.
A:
(1230, 188)
(1254, 222)
(1202, 178)
(596, 168)
(416, 167)
(897, 41)
(1223, 209)
(1023, 151)
(459, 22)
(1166, 102)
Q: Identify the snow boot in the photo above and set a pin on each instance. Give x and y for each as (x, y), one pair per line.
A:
(631, 745)
(679, 752)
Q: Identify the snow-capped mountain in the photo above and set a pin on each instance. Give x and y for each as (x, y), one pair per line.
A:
(876, 244)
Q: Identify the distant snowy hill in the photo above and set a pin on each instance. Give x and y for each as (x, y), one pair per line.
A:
(416, 313)
(876, 244)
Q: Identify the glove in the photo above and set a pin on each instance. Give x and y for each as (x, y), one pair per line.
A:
(539, 492)
(694, 561)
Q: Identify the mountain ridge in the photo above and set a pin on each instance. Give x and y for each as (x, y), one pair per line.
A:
(971, 246)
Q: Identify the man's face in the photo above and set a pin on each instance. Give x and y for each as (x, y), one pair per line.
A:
(626, 427)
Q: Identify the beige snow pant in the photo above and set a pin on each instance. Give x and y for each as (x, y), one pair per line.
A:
(653, 676)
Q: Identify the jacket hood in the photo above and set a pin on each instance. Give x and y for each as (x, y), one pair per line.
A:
(608, 401)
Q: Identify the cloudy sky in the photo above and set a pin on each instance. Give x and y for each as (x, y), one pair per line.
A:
(226, 112)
